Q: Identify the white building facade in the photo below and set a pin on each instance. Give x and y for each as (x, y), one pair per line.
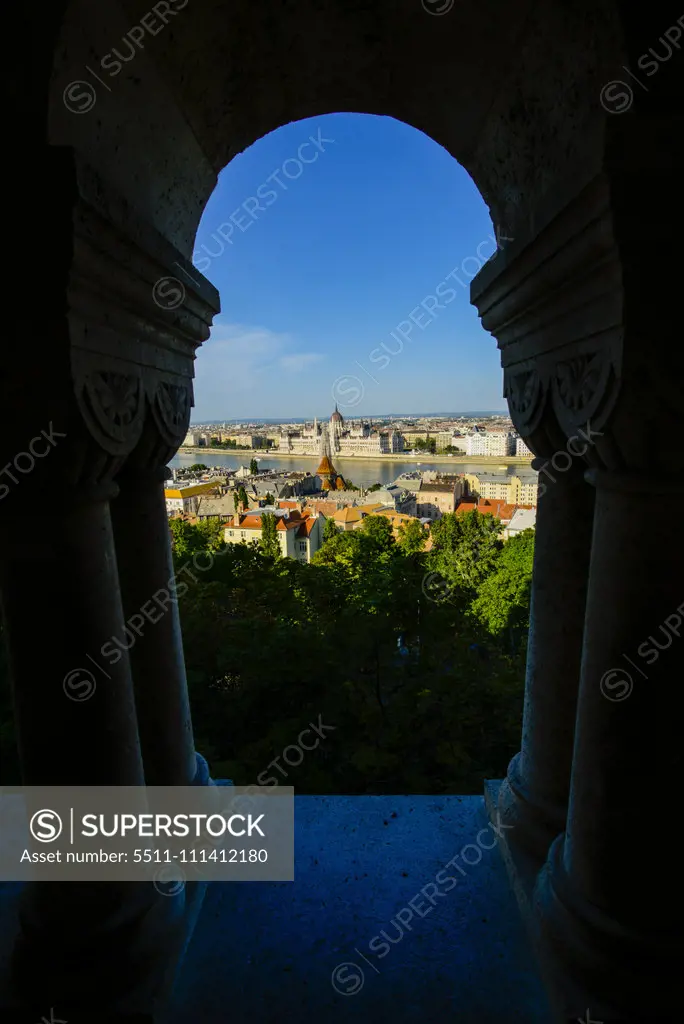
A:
(521, 449)
(490, 442)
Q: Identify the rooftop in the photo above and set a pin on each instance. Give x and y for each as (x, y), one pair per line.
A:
(491, 507)
(371, 507)
(523, 519)
(437, 488)
(348, 515)
(306, 526)
(188, 490)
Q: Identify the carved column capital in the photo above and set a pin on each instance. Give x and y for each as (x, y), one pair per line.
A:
(555, 309)
(138, 312)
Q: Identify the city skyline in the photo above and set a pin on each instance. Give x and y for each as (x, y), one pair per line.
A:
(444, 414)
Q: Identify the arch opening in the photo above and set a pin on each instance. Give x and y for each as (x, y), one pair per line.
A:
(342, 248)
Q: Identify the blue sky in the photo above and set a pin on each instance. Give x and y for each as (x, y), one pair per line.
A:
(342, 248)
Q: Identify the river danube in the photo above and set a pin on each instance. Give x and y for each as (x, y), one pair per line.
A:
(362, 472)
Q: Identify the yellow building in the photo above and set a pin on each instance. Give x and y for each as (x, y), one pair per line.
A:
(186, 499)
(498, 486)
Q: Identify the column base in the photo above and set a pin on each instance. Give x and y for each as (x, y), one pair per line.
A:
(587, 964)
(593, 961)
(535, 824)
(120, 963)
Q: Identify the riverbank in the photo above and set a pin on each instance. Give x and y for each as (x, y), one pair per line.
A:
(422, 459)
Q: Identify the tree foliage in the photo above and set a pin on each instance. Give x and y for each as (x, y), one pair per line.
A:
(425, 444)
(465, 547)
(189, 538)
(503, 599)
(425, 696)
(412, 537)
(329, 529)
(269, 535)
(423, 691)
(379, 530)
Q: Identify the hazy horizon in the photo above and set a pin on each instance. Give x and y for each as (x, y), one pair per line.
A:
(366, 416)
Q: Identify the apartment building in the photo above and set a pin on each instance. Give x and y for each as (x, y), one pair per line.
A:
(516, 489)
(490, 442)
(521, 449)
(436, 499)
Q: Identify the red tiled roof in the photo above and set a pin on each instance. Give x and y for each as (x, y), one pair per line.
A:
(491, 507)
(306, 527)
(248, 523)
(287, 524)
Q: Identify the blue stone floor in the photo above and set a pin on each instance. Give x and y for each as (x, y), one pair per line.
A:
(312, 949)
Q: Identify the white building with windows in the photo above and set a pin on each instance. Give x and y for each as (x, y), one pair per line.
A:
(490, 442)
(521, 449)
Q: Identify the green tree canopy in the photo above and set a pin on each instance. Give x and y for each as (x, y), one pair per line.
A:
(254, 467)
(412, 536)
(329, 529)
(377, 534)
(465, 547)
(428, 444)
(269, 535)
(212, 530)
(503, 598)
(186, 539)
(189, 538)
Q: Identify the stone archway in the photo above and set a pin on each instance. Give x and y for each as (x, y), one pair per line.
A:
(517, 94)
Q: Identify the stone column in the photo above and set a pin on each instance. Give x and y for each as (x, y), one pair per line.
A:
(76, 725)
(116, 357)
(75, 713)
(150, 595)
(534, 795)
(605, 894)
(552, 303)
